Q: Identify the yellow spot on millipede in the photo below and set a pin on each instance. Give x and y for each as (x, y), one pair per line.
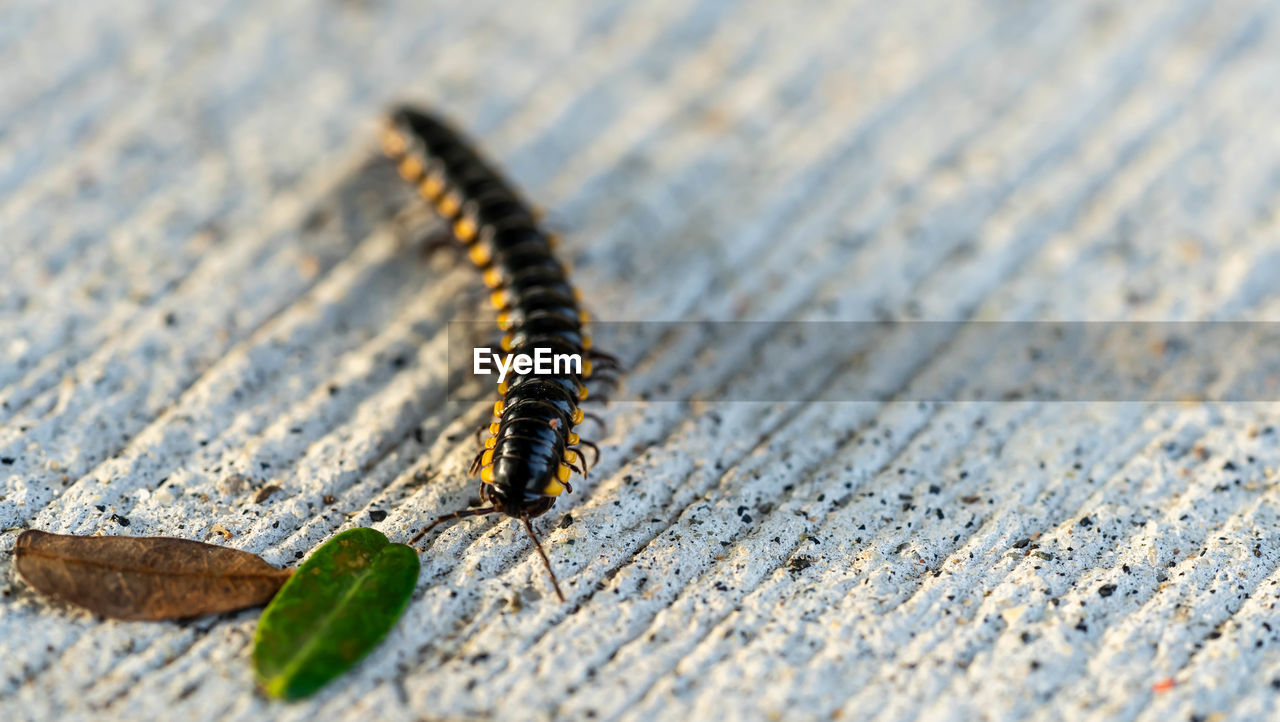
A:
(410, 169)
(464, 229)
(431, 187)
(392, 144)
(480, 254)
(449, 204)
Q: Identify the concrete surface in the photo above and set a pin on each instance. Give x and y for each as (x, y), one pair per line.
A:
(211, 285)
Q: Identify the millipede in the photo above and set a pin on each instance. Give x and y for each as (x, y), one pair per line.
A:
(532, 447)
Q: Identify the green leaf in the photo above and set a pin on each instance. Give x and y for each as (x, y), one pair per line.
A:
(334, 609)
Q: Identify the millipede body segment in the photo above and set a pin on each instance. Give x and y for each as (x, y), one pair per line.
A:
(532, 448)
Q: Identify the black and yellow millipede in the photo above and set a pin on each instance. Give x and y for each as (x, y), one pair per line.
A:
(532, 447)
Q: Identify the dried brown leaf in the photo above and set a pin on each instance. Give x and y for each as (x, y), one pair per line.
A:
(145, 577)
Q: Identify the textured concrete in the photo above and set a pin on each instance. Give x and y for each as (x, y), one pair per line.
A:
(211, 285)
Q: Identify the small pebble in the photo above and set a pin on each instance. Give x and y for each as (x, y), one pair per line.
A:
(265, 493)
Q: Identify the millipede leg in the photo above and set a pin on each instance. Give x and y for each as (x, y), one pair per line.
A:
(450, 517)
(475, 463)
(595, 449)
(603, 367)
(606, 380)
(605, 358)
(438, 240)
(604, 428)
